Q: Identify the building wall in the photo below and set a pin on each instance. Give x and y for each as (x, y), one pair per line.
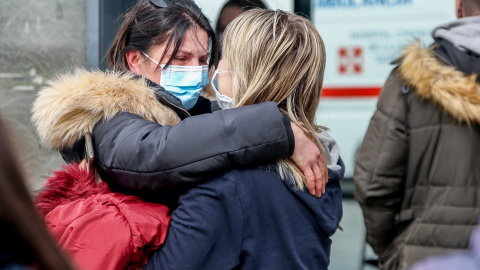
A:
(38, 39)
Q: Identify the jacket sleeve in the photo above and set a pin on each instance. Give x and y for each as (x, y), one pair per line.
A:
(205, 231)
(141, 155)
(380, 167)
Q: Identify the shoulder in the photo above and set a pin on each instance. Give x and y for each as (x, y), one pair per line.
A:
(91, 96)
(120, 120)
(222, 186)
(254, 177)
(235, 185)
(441, 83)
(391, 92)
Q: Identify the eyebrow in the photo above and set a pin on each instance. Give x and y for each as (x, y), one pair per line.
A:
(189, 53)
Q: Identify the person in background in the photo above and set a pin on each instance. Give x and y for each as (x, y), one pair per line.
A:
(417, 175)
(25, 242)
(262, 217)
(231, 9)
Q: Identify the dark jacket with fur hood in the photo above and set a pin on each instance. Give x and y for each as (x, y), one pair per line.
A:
(142, 147)
(417, 175)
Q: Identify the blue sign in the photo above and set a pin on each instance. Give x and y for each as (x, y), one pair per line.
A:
(361, 3)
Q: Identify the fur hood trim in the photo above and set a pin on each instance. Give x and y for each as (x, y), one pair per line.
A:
(64, 186)
(457, 94)
(70, 105)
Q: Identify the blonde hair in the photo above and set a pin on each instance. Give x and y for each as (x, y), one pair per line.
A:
(278, 56)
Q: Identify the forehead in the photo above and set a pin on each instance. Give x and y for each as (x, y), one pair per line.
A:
(195, 42)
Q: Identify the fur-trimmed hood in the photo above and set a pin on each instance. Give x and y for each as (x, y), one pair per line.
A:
(456, 93)
(70, 105)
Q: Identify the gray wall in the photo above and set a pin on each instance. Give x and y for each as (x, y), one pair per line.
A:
(38, 39)
(46, 35)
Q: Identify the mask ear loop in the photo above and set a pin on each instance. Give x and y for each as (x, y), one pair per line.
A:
(213, 79)
(151, 59)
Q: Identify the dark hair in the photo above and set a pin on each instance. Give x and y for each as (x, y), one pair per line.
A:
(148, 25)
(25, 239)
(471, 7)
(243, 4)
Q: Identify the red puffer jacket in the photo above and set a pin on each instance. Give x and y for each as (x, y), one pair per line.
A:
(98, 228)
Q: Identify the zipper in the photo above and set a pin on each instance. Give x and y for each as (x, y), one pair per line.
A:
(405, 91)
(179, 108)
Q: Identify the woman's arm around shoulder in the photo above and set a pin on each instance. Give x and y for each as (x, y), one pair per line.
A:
(142, 155)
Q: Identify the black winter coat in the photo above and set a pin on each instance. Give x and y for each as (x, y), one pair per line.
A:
(140, 142)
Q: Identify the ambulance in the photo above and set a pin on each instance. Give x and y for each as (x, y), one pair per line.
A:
(362, 38)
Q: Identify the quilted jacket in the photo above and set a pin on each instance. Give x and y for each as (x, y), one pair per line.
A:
(417, 174)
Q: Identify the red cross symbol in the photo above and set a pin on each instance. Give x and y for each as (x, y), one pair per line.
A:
(350, 60)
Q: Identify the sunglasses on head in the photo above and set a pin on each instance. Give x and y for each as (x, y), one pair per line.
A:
(157, 3)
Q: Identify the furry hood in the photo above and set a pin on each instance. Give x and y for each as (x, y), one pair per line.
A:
(70, 105)
(456, 93)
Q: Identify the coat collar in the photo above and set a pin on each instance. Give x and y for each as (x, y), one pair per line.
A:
(70, 105)
(457, 93)
(203, 104)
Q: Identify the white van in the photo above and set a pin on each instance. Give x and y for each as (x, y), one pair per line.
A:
(361, 37)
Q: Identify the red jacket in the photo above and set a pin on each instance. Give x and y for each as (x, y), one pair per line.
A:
(98, 228)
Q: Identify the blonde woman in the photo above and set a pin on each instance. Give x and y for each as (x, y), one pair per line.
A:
(262, 218)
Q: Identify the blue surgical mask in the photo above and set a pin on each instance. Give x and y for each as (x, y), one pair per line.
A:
(184, 82)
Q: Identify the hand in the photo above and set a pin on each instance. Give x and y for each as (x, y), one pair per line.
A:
(311, 162)
(83, 166)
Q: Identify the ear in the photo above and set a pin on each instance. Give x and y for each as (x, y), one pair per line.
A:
(458, 8)
(135, 62)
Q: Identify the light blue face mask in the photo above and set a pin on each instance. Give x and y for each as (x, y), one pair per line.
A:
(184, 82)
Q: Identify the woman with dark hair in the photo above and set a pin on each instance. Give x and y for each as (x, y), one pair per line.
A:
(160, 59)
(25, 242)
